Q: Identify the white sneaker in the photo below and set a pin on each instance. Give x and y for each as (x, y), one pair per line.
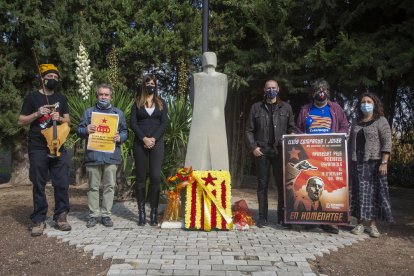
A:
(373, 231)
(358, 230)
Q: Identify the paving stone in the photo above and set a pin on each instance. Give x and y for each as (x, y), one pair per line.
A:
(186, 272)
(154, 251)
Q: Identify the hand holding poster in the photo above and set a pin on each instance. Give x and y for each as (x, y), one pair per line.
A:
(106, 128)
(316, 179)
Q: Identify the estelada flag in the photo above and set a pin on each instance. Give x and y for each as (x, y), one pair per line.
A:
(208, 203)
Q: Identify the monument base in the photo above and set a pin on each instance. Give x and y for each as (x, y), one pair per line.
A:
(172, 225)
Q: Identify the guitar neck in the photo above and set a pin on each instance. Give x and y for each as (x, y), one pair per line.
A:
(54, 130)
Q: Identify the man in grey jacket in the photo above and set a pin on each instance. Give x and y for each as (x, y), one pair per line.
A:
(102, 166)
(268, 121)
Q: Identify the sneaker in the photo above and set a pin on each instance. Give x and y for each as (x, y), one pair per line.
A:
(92, 221)
(358, 230)
(333, 229)
(373, 231)
(37, 228)
(107, 221)
(61, 222)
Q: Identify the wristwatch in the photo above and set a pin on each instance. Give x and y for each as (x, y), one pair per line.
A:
(384, 162)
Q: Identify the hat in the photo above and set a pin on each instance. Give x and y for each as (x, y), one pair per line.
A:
(48, 68)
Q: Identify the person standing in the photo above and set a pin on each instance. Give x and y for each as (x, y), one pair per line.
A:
(322, 116)
(370, 150)
(268, 120)
(38, 112)
(101, 167)
(149, 120)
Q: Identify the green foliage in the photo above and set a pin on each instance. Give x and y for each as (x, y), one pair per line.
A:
(355, 45)
(401, 172)
(176, 136)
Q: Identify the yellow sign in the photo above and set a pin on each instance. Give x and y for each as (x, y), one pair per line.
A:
(106, 128)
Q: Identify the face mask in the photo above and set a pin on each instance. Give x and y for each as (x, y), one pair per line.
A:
(151, 89)
(367, 108)
(50, 83)
(320, 96)
(271, 94)
(103, 104)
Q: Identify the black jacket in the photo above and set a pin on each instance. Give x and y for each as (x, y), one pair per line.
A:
(145, 125)
(257, 129)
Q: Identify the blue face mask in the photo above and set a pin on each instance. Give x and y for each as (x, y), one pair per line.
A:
(103, 104)
(271, 94)
(367, 108)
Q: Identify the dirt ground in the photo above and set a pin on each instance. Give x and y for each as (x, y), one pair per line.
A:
(20, 254)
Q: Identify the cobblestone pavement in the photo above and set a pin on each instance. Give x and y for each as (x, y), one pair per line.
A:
(154, 251)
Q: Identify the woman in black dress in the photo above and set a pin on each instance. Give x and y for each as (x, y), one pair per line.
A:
(149, 120)
(370, 149)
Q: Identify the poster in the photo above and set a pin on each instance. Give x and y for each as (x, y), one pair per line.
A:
(106, 128)
(316, 179)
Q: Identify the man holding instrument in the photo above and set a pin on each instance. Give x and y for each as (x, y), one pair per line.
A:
(40, 108)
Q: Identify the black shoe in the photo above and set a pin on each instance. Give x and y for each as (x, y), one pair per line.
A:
(310, 227)
(261, 223)
(330, 229)
(154, 217)
(91, 222)
(107, 221)
(285, 225)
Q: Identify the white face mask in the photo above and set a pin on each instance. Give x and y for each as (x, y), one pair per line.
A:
(367, 108)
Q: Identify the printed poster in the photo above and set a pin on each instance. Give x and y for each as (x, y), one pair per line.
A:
(106, 128)
(316, 179)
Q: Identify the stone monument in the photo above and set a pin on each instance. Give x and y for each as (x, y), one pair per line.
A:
(207, 145)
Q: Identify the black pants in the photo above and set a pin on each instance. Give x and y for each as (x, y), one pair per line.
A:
(40, 167)
(263, 164)
(149, 160)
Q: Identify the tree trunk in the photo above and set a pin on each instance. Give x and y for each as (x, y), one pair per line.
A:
(124, 189)
(20, 164)
(79, 164)
(236, 120)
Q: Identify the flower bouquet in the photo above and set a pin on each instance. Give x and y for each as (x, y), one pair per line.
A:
(174, 185)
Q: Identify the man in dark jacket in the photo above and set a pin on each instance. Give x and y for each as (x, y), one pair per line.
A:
(268, 121)
(102, 166)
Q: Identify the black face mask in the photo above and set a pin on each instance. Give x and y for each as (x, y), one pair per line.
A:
(321, 96)
(151, 89)
(50, 83)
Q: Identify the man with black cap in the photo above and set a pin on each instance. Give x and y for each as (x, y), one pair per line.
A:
(268, 121)
(37, 111)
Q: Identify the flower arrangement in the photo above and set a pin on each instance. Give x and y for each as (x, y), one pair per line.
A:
(208, 203)
(242, 216)
(174, 185)
(180, 179)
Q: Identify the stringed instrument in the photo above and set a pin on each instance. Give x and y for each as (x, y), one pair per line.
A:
(55, 135)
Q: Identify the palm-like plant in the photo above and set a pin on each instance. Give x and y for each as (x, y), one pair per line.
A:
(176, 136)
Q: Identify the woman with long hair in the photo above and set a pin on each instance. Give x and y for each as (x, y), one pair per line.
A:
(149, 120)
(370, 151)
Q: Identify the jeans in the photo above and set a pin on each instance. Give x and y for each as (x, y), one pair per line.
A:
(105, 173)
(41, 166)
(263, 164)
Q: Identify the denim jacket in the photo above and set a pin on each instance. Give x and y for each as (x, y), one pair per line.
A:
(97, 157)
